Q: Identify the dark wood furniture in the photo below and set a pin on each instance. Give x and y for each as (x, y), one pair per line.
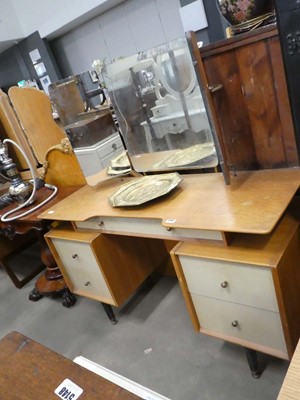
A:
(29, 371)
(9, 248)
(252, 109)
(51, 282)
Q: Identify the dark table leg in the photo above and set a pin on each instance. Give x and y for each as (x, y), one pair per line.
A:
(253, 363)
(110, 313)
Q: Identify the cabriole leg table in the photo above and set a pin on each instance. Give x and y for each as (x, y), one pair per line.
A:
(51, 282)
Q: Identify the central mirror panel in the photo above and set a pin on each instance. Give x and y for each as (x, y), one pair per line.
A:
(160, 109)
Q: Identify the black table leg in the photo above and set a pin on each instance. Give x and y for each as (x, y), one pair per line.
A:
(253, 363)
(110, 313)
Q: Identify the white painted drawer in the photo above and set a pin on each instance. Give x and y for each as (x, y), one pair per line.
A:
(106, 160)
(89, 161)
(82, 268)
(246, 284)
(94, 158)
(144, 227)
(110, 147)
(254, 325)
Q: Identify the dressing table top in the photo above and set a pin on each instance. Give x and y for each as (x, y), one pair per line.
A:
(253, 203)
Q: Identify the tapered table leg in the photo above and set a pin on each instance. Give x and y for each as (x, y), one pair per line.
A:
(110, 313)
(253, 363)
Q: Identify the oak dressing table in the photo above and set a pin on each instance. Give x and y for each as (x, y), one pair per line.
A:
(204, 212)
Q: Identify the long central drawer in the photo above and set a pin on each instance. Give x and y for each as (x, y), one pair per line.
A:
(145, 227)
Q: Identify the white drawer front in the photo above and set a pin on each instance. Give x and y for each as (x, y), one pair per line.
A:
(106, 160)
(145, 227)
(94, 158)
(255, 325)
(81, 267)
(242, 283)
(89, 161)
(110, 146)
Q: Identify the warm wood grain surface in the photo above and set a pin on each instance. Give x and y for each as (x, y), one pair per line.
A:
(266, 250)
(30, 371)
(290, 389)
(278, 251)
(253, 203)
(11, 129)
(33, 108)
(253, 107)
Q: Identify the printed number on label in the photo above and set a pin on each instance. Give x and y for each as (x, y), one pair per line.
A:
(68, 390)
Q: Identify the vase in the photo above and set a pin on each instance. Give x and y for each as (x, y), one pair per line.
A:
(239, 11)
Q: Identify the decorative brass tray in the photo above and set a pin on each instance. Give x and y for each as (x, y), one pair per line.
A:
(115, 172)
(120, 162)
(119, 165)
(189, 156)
(144, 189)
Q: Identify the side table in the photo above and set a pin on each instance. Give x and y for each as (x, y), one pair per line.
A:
(51, 282)
(29, 370)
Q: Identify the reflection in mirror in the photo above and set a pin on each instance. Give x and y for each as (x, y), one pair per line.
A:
(86, 118)
(160, 109)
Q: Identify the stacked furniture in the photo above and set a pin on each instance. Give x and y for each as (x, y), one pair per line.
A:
(29, 123)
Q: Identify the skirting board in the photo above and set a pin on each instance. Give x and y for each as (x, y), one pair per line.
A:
(119, 380)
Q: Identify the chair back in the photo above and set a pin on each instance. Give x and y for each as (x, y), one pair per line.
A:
(34, 111)
(66, 97)
(62, 167)
(10, 128)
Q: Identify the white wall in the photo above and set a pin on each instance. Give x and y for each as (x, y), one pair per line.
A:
(10, 27)
(52, 16)
(126, 29)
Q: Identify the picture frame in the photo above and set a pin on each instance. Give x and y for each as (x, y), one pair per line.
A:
(45, 82)
(94, 76)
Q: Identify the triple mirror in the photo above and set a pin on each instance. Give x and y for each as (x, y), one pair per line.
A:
(160, 109)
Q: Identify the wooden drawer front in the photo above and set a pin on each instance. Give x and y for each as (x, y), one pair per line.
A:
(82, 269)
(144, 227)
(255, 325)
(247, 284)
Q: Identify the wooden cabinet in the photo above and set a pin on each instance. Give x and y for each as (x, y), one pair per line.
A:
(245, 293)
(252, 109)
(103, 267)
(81, 265)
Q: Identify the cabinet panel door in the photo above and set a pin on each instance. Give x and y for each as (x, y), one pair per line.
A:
(253, 324)
(235, 282)
(82, 268)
